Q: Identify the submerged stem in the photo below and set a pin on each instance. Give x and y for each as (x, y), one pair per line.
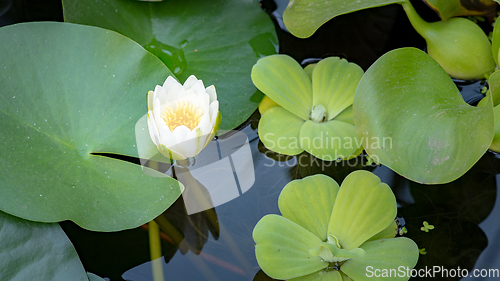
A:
(155, 251)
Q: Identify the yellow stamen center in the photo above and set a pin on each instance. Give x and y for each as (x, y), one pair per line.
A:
(185, 113)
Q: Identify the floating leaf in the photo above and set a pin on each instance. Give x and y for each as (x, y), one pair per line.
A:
(411, 117)
(36, 251)
(356, 218)
(283, 248)
(303, 17)
(295, 203)
(218, 41)
(495, 144)
(69, 92)
(383, 255)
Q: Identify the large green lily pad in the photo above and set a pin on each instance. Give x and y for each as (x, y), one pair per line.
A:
(69, 91)
(218, 41)
(36, 251)
(303, 17)
(411, 117)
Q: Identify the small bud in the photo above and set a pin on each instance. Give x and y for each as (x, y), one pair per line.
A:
(318, 114)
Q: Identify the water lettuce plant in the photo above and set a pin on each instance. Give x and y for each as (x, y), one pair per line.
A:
(182, 119)
(315, 112)
(494, 88)
(436, 136)
(331, 233)
(494, 91)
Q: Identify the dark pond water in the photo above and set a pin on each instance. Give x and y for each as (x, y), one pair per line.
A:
(217, 243)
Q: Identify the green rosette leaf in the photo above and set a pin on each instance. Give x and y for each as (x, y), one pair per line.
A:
(388, 232)
(394, 255)
(334, 83)
(321, 276)
(494, 85)
(282, 248)
(411, 118)
(282, 79)
(495, 41)
(356, 218)
(495, 144)
(309, 203)
(303, 17)
(329, 140)
(346, 116)
(68, 93)
(279, 131)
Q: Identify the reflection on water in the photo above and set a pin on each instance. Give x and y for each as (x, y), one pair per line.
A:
(231, 256)
(171, 56)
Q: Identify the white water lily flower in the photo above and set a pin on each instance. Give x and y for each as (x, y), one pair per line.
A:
(182, 119)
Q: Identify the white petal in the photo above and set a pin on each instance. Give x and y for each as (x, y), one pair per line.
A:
(214, 108)
(166, 136)
(191, 146)
(169, 83)
(190, 82)
(211, 93)
(160, 94)
(153, 130)
(201, 101)
(177, 155)
(157, 110)
(198, 87)
(182, 135)
(175, 92)
(205, 125)
(188, 92)
(150, 98)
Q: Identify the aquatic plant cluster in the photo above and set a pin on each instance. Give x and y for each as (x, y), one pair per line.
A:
(67, 149)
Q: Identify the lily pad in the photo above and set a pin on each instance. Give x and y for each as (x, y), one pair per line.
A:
(411, 117)
(303, 17)
(68, 92)
(218, 41)
(36, 251)
(452, 8)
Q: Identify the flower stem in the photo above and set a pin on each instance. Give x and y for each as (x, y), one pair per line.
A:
(155, 251)
(420, 25)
